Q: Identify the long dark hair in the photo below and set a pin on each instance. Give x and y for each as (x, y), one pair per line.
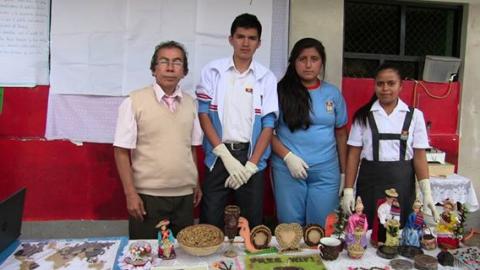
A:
(294, 99)
(361, 114)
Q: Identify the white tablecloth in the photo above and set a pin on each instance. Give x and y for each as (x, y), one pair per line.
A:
(369, 259)
(454, 187)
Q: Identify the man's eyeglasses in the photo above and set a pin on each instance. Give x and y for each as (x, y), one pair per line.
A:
(166, 62)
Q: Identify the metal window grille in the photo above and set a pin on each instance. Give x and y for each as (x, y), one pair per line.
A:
(398, 32)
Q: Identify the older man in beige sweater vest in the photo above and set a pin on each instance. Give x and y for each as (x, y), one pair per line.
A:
(156, 131)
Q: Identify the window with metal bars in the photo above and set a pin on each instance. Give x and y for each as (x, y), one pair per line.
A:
(398, 32)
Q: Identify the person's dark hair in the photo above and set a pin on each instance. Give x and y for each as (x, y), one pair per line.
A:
(169, 44)
(246, 20)
(362, 113)
(294, 99)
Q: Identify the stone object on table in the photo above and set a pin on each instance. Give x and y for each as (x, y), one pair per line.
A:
(289, 236)
(312, 233)
(387, 252)
(401, 264)
(425, 262)
(409, 251)
(200, 239)
(260, 237)
(445, 258)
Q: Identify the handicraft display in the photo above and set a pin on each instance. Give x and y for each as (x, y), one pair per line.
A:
(289, 236)
(231, 215)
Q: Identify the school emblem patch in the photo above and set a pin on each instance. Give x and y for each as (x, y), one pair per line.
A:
(329, 106)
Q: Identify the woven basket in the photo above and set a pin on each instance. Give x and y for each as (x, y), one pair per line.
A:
(200, 239)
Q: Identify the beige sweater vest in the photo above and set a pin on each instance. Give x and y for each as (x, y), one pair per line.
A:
(162, 161)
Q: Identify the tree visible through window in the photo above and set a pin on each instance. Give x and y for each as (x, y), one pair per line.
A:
(398, 32)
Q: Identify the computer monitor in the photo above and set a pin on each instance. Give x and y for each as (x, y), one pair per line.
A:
(11, 212)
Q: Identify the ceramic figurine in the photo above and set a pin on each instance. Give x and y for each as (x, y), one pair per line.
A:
(446, 226)
(166, 240)
(244, 231)
(384, 214)
(392, 226)
(356, 236)
(413, 231)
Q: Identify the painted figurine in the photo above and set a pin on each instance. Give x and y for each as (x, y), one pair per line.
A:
(166, 240)
(356, 237)
(413, 231)
(446, 226)
(245, 234)
(385, 214)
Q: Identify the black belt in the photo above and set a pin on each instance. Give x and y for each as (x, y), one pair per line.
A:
(237, 146)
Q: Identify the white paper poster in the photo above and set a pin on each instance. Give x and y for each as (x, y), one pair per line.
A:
(24, 34)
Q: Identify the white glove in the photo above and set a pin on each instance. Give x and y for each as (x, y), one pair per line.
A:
(342, 183)
(235, 184)
(427, 197)
(348, 201)
(233, 166)
(296, 166)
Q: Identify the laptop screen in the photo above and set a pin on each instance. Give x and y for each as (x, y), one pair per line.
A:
(11, 211)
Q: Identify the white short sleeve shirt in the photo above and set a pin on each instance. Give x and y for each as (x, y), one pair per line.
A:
(389, 150)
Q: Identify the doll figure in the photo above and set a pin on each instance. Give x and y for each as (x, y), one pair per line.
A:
(384, 214)
(413, 231)
(446, 226)
(166, 250)
(356, 235)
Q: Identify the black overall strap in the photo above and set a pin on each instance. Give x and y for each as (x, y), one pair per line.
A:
(376, 136)
(404, 135)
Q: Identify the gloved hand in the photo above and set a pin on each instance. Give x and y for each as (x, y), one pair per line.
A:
(424, 185)
(233, 166)
(348, 201)
(342, 183)
(296, 166)
(234, 183)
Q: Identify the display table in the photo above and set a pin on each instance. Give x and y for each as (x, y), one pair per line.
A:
(456, 188)
(370, 259)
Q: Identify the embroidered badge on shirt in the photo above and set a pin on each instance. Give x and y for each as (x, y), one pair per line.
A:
(248, 89)
(329, 106)
(404, 135)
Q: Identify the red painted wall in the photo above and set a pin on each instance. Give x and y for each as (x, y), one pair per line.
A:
(65, 181)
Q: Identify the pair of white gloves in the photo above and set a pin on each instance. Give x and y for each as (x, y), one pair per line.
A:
(348, 200)
(239, 174)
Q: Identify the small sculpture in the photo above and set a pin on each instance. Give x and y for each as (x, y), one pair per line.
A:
(446, 227)
(356, 238)
(289, 236)
(385, 213)
(166, 240)
(261, 237)
(231, 216)
(140, 254)
(312, 233)
(413, 231)
(393, 226)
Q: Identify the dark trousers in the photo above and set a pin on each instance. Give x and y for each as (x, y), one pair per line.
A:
(178, 210)
(249, 197)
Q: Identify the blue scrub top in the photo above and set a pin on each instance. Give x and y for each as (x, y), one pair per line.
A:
(315, 145)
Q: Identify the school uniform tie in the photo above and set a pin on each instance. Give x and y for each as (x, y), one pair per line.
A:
(170, 102)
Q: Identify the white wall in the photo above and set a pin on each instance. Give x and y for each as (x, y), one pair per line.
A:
(322, 20)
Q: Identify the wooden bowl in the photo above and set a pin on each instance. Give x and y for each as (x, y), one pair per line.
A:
(200, 239)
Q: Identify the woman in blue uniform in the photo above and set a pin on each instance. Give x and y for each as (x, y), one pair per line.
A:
(388, 139)
(310, 142)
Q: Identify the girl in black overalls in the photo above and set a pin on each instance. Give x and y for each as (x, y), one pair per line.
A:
(390, 139)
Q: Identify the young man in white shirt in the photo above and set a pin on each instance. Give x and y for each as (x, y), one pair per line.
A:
(238, 106)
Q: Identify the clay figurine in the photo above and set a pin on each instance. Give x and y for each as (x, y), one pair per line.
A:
(231, 217)
(385, 214)
(166, 240)
(446, 227)
(245, 234)
(356, 237)
(413, 231)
